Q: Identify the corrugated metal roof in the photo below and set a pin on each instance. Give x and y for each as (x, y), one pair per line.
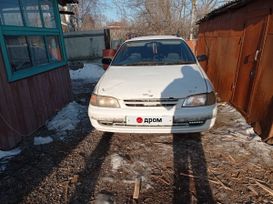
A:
(236, 4)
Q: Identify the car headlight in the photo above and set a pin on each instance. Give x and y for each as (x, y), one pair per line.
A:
(200, 100)
(104, 101)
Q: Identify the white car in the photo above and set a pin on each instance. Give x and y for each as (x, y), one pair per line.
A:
(154, 84)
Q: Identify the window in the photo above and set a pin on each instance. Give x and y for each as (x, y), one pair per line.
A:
(31, 13)
(10, 13)
(54, 48)
(37, 50)
(30, 37)
(18, 52)
(48, 14)
(36, 13)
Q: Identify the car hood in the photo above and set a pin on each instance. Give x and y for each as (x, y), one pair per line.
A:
(134, 82)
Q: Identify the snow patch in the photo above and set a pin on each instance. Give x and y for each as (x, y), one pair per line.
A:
(9, 154)
(128, 181)
(42, 140)
(148, 186)
(67, 119)
(116, 161)
(90, 73)
(239, 137)
(3, 167)
(108, 179)
(237, 126)
(6, 155)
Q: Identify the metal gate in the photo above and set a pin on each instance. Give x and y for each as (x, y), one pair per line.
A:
(250, 52)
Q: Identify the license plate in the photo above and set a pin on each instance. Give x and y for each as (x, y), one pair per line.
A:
(149, 121)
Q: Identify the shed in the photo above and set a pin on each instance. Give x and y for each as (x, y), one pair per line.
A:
(238, 40)
(34, 79)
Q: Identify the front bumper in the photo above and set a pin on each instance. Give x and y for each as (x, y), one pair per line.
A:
(114, 119)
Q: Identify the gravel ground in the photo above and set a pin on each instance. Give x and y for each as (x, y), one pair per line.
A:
(227, 164)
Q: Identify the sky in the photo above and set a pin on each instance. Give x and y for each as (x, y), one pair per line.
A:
(110, 12)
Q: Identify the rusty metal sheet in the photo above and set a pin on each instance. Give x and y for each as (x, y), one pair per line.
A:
(260, 108)
(251, 47)
(220, 50)
(192, 45)
(270, 25)
(201, 49)
(239, 45)
(226, 71)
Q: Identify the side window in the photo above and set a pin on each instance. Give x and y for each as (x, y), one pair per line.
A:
(186, 53)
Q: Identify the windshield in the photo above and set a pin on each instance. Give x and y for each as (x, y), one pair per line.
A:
(154, 52)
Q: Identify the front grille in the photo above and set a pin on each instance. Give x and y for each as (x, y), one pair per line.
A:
(151, 102)
(189, 123)
(108, 123)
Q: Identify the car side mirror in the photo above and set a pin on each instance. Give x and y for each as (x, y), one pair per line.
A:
(106, 61)
(202, 58)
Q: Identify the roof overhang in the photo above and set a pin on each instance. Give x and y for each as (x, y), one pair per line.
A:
(64, 2)
(62, 12)
(233, 5)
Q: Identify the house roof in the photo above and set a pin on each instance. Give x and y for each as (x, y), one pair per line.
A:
(64, 2)
(233, 5)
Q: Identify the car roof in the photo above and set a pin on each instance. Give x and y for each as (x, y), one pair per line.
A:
(155, 37)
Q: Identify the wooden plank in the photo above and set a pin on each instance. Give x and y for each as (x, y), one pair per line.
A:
(55, 92)
(26, 109)
(53, 96)
(3, 135)
(35, 98)
(44, 96)
(137, 188)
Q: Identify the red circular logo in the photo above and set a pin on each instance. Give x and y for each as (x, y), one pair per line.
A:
(139, 120)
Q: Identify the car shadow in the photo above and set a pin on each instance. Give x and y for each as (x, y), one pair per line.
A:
(191, 182)
(190, 170)
(89, 175)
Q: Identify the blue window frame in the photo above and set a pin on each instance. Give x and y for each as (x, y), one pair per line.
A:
(31, 37)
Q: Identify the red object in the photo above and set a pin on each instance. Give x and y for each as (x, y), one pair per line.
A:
(139, 120)
(108, 53)
(105, 66)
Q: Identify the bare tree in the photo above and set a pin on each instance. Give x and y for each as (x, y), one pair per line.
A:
(87, 16)
(164, 16)
(153, 16)
(193, 18)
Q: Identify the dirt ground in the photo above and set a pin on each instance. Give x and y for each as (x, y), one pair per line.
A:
(223, 165)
